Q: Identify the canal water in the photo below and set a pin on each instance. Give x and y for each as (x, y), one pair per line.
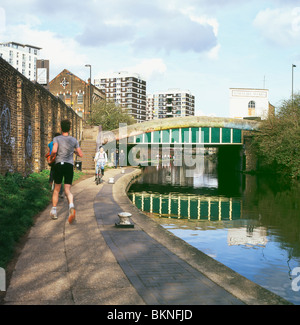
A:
(249, 223)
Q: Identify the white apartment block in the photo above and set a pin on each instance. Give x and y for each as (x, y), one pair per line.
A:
(21, 57)
(170, 103)
(127, 90)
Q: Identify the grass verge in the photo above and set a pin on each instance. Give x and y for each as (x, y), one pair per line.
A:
(20, 200)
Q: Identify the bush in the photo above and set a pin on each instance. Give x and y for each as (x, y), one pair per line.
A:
(278, 141)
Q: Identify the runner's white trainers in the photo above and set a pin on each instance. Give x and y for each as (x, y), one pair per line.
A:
(53, 214)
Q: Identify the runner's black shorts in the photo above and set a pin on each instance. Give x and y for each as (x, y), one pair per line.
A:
(63, 171)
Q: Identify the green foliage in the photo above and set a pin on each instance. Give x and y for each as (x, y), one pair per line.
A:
(107, 114)
(278, 141)
(20, 200)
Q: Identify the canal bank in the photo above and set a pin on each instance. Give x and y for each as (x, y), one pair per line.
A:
(93, 262)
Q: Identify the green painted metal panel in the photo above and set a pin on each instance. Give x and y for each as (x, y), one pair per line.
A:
(194, 209)
(214, 210)
(138, 201)
(185, 135)
(175, 136)
(174, 206)
(226, 135)
(236, 210)
(147, 204)
(156, 137)
(225, 210)
(155, 204)
(166, 136)
(237, 136)
(148, 137)
(184, 208)
(164, 206)
(139, 138)
(195, 135)
(204, 210)
(204, 135)
(215, 135)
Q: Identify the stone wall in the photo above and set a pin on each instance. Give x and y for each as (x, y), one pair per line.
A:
(29, 117)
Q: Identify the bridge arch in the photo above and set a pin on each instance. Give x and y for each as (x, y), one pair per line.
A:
(216, 130)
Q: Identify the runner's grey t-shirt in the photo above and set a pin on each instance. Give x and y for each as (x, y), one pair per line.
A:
(66, 146)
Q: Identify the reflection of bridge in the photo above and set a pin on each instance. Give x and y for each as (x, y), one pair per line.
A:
(197, 207)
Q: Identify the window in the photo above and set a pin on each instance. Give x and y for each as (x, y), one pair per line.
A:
(251, 104)
(251, 108)
(80, 98)
(68, 99)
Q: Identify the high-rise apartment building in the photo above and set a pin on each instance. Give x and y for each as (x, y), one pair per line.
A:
(21, 57)
(171, 103)
(127, 90)
(149, 107)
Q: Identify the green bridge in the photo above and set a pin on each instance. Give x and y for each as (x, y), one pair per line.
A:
(209, 131)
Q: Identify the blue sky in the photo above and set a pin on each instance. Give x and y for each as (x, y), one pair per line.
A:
(206, 46)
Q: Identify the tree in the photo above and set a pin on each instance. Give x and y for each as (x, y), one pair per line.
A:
(277, 142)
(109, 115)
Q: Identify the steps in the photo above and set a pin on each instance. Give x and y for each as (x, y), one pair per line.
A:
(88, 146)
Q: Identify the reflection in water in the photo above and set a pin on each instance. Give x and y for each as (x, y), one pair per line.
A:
(197, 207)
(249, 223)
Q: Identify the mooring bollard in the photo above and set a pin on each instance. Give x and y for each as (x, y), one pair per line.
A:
(124, 220)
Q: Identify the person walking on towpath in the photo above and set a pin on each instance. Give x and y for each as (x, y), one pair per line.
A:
(64, 146)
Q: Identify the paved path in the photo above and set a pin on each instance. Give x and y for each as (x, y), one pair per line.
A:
(158, 275)
(93, 262)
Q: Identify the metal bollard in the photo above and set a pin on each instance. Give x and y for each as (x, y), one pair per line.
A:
(124, 220)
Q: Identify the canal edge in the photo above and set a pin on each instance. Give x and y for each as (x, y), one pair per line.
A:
(236, 284)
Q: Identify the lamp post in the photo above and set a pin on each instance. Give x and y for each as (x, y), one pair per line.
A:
(293, 66)
(71, 74)
(88, 65)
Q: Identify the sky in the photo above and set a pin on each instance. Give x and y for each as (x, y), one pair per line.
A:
(204, 46)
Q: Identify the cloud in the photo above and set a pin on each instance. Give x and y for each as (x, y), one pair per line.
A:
(179, 33)
(62, 52)
(148, 68)
(279, 26)
(153, 26)
(2, 20)
(103, 34)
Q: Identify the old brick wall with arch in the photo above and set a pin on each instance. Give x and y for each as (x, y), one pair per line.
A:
(29, 117)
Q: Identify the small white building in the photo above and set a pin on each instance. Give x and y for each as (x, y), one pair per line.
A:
(21, 57)
(247, 102)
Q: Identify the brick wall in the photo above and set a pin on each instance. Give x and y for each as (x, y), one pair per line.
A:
(29, 117)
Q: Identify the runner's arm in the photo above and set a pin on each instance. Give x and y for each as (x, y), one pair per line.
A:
(78, 152)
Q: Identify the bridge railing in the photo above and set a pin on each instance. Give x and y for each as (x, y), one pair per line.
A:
(193, 135)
